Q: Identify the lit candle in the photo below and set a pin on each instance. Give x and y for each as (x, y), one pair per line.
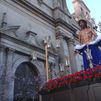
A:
(66, 57)
(61, 67)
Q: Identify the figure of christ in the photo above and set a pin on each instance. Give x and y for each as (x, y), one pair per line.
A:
(88, 39)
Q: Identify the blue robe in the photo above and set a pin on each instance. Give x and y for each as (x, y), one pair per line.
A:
(95, 53)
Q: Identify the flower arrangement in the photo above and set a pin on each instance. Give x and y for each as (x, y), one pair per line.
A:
(90, 75)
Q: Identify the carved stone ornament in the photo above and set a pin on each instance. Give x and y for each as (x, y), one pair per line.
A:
(10, 30)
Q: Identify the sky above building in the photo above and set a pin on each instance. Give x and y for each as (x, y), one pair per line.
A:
(93, 5)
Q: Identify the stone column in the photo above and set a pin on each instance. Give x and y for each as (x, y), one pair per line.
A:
(2, 70)
(61, 49)
(9, 77)
(2, 60)
(63, 52)
(72, 57)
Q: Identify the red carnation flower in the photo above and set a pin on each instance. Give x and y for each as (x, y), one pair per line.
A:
(96, 75)
(80, 78)
(79, 73)
(82, 70)
(99, 68)
(74, 80)
(70, 76)
(66, 82)
(48, 82)
(70, 81)
(90, 76)
(94, 69)
(85, 77)
(62, 79)
(55, 85)
(66, 77)
(75, 75)
(86, 72)
(60, 84)
(49, 86)
(91, 72)
(52, 81)
(57, 79)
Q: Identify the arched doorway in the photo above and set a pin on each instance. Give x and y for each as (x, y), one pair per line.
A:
(26, 83)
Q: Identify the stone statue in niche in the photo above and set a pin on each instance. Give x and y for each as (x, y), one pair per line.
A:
(5, 28)
(4, 20)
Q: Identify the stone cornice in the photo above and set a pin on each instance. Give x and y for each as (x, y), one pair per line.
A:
(67, 14)
(18, 42)
(69, 27)
(43, 15)
(33, 9)
(62, 22)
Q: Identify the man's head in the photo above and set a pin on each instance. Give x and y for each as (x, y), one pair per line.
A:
(82, 23)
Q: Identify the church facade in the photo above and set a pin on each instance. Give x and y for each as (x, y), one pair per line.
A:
(24, 26)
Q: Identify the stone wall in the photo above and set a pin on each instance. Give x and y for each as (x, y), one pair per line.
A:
(24, 24)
